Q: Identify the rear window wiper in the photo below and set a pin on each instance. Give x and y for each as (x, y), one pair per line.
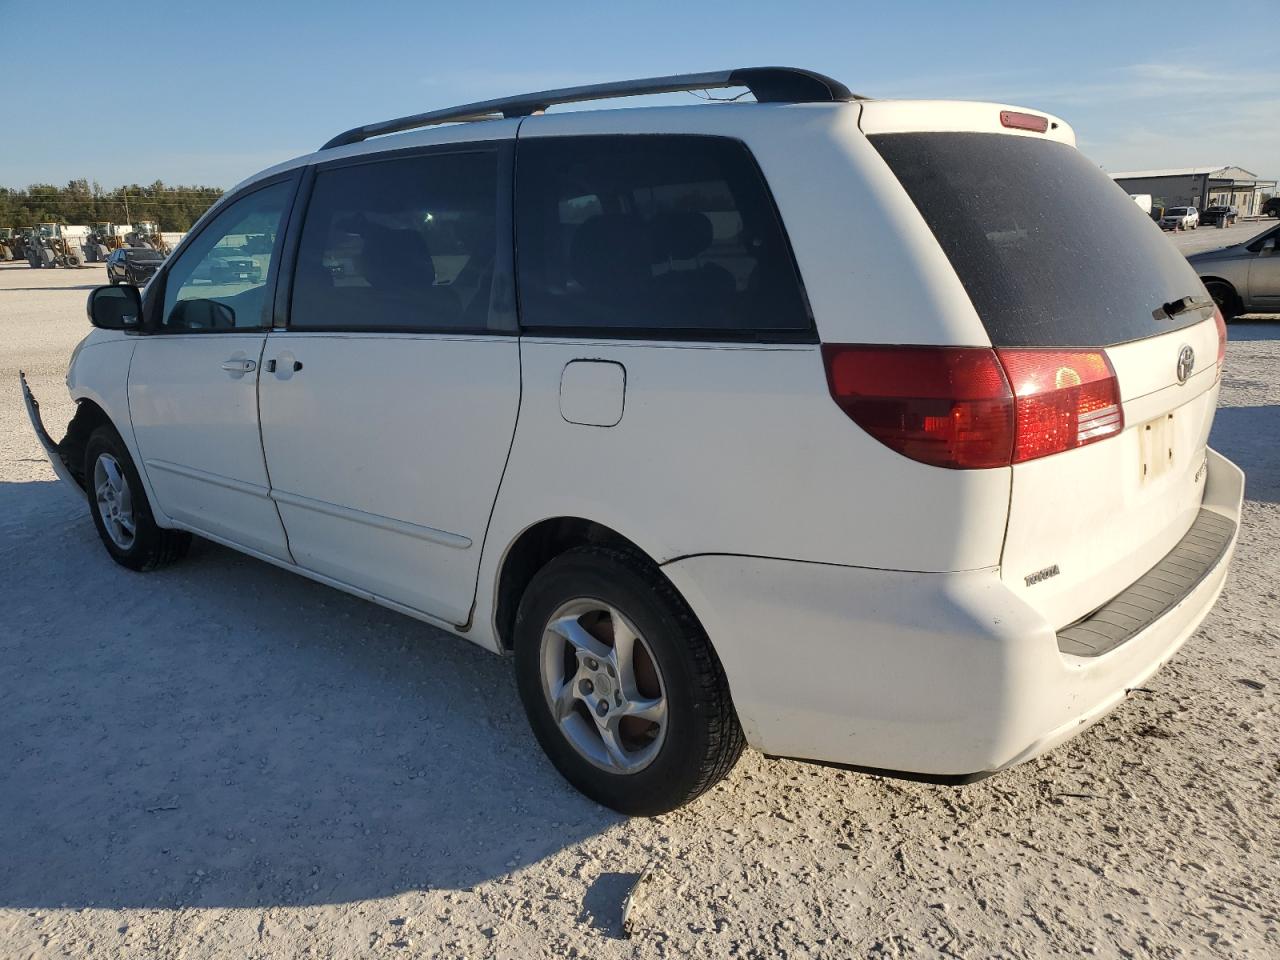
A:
(1182, 305)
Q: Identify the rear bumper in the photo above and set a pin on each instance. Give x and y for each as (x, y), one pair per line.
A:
(942, 676)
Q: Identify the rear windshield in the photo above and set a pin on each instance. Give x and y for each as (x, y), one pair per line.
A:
(1050, 250)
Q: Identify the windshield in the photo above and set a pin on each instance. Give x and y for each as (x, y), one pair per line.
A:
(1051, 251)
(142, 255)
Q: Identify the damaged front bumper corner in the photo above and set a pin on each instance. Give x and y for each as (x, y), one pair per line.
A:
(50, 448)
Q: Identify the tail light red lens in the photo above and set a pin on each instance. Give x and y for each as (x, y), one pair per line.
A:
(950, 407)
(1064, 399)
(974, 407)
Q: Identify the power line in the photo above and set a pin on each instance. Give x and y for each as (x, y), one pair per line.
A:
(41, 200)
(111, 199)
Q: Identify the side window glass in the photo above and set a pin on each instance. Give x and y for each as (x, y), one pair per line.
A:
(652, 234)
(220, 281)
(405, 244)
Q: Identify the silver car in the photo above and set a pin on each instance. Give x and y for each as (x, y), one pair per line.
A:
(1245, 277)
(1180, 218)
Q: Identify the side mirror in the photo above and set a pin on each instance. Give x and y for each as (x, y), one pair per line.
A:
(115, 308)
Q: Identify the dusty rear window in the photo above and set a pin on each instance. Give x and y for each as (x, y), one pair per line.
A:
(1050, 250)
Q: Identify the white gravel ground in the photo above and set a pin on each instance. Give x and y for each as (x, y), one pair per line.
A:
(224, 760)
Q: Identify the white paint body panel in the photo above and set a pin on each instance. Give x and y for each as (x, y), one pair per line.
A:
(737, 449)
(941, 674)
(1108, 512)
(385, 453)
(196, 427)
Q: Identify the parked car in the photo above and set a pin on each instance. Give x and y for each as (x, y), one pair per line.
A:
(135, 265)
(1180, 218)
(1272, 207)
(1244, 277)
(1213, 216)
(233, 269)
(864, 432)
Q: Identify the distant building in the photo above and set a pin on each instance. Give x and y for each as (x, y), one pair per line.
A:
(1199, 187)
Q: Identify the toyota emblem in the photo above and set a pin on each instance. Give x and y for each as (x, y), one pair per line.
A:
(1186, 362)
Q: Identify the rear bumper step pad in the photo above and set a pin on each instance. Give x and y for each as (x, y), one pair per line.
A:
(1159, 590)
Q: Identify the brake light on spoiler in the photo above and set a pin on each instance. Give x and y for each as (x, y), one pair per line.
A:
(976, 407)
(1023, 121)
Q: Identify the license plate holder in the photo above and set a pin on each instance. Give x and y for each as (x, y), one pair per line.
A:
(1156, 439)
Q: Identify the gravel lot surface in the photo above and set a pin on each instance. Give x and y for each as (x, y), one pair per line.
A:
(225, 760)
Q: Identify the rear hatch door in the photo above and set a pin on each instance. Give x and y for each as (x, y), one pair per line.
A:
(1053, 254)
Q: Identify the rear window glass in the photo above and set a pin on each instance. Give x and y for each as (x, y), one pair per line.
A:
(1051, 251)
(652, 236)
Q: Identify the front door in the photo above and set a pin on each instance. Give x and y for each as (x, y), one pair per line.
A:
(193, 384)
(389, 403)
(1264, 274)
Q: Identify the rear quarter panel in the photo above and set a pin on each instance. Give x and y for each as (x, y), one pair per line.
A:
(734, 449)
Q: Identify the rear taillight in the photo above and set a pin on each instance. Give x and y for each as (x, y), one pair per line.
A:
(1222, 337)
(1064, 399)
(973, 407)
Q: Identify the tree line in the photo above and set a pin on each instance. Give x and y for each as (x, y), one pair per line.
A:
(176, 208)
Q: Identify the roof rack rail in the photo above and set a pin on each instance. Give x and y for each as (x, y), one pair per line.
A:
(767, 84)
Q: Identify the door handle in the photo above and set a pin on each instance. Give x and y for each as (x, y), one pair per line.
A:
(284, 364)
(239, 366)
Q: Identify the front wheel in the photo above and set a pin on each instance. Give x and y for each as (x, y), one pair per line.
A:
(120, 509)
(620, 683)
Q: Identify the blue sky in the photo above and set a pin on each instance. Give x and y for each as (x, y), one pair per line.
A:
(210, 92)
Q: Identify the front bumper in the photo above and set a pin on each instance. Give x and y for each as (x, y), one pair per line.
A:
(938, 676)
(50, 448)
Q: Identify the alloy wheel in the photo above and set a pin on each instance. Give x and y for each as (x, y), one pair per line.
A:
(603, 687)
(115, 501)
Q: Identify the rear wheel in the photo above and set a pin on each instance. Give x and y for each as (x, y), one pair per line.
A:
(120, 509)
(620, 683)
(1225, 298)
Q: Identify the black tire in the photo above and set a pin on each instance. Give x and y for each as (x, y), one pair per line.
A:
(152, 546)
(703, 739)
(1225, 297)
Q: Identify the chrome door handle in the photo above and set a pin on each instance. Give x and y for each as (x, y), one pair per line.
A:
(239, 366)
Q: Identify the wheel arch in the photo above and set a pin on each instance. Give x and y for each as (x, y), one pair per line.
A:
(532, 549)
(89, 416)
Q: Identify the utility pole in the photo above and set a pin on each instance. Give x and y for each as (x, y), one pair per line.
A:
(127, 219)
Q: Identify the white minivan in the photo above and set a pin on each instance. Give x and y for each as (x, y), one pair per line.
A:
(864, 432)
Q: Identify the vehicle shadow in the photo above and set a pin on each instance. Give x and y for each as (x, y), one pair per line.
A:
(1247, 436)
(225, 733)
